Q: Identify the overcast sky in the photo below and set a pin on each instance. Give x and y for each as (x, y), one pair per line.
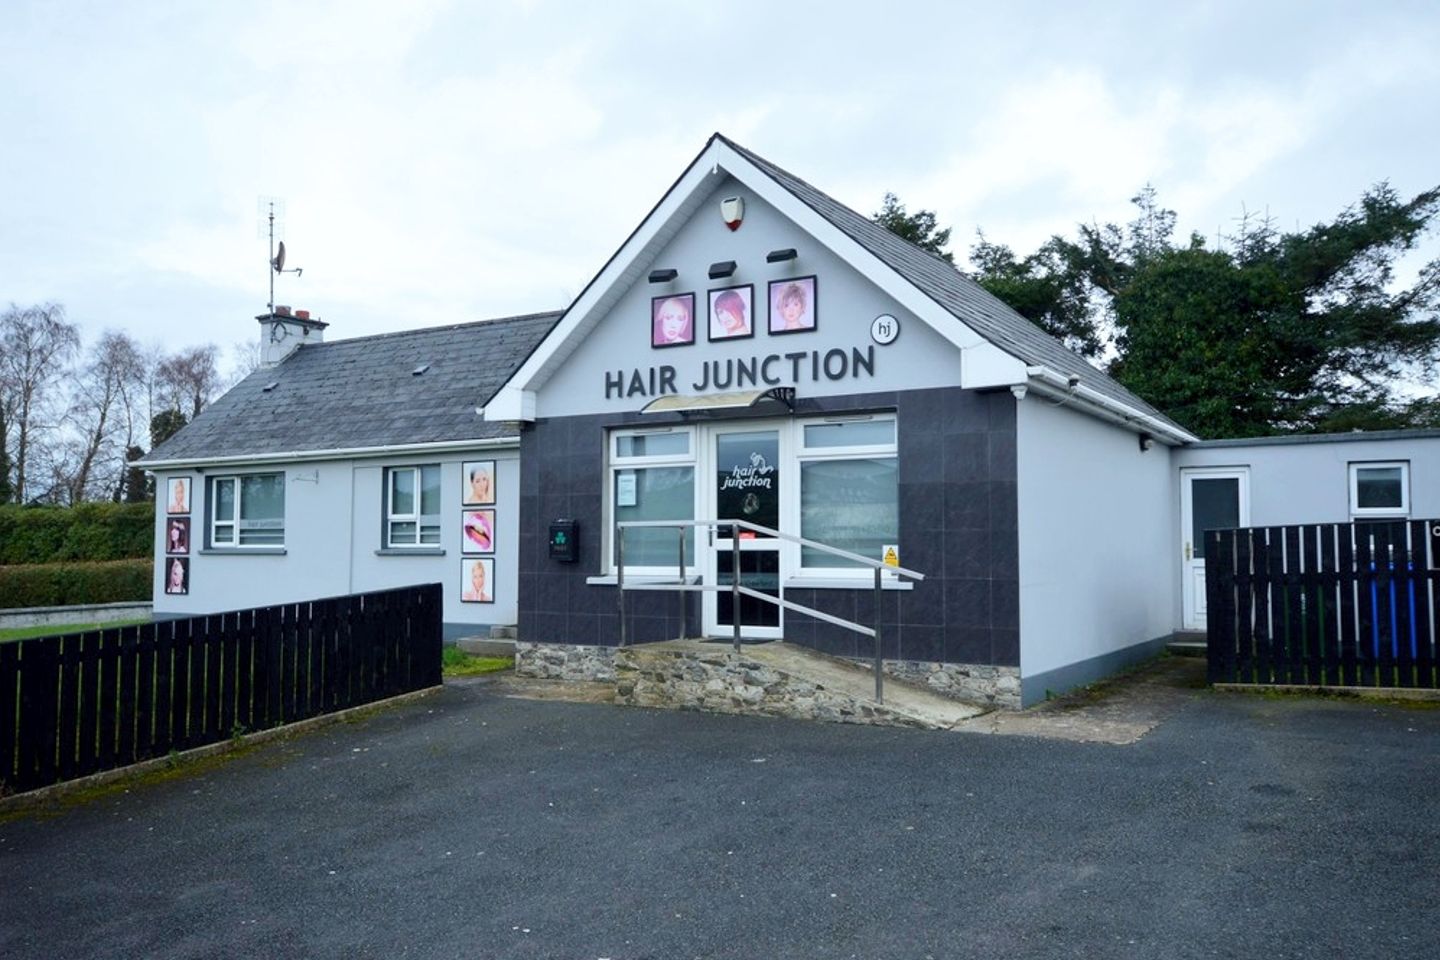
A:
(453, 161)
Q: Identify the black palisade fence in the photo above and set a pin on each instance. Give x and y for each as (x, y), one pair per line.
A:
(82, 703)
(1333, 604)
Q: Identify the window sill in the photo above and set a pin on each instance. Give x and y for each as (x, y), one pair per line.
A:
(608, 580)
(243, 552)
(410, 552)
(847, 583)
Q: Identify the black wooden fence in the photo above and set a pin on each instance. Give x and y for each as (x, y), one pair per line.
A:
(81, 703)
(1332, 604)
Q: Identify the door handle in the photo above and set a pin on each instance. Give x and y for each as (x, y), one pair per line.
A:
(1187, 550)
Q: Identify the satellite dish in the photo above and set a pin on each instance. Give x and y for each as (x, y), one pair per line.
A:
(279, 262)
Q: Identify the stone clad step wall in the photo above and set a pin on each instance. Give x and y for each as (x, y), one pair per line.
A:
(726, 682)
(714, 678)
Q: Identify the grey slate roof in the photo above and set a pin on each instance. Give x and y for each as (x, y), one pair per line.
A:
(965, 299)
(362, 393)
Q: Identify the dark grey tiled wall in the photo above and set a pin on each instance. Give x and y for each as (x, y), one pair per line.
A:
(562, 475)
(957, 526)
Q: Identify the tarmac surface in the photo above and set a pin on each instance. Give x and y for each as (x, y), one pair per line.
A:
(475, 823)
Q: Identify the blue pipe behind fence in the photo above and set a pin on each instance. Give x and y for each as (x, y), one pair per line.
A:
(1394, 615)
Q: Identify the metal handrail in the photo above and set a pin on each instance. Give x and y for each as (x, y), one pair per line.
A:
(771, 532)
(737, 590)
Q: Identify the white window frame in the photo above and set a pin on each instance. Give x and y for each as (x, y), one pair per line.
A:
(1358, 512)
(616, 464)
(233, 520)
(804, 454)
(416, 516)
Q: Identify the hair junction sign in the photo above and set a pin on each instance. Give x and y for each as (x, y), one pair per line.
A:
(738, 373)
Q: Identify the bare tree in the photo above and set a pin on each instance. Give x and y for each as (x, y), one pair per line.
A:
(244, 359)
(101, 416)
(36, 344)
(189, 379)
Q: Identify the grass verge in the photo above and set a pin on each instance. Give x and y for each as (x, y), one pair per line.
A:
(458, 663)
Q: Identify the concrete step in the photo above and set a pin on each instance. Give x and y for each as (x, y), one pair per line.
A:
(1187, 643)
(504, 632)
(486, 646)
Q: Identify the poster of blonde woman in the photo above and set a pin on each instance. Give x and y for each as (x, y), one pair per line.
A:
(672, 320)
(792, 305)
(177, 495)
(177, 575)
(478, 582)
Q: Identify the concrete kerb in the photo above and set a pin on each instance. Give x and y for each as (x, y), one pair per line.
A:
(59, 791)
(102, 613)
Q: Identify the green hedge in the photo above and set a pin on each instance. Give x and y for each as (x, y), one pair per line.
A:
(65, 584)
(89, 531)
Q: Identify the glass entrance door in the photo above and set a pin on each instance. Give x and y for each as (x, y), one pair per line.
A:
(746, 482)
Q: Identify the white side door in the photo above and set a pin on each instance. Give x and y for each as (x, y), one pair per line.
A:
(1211, 498)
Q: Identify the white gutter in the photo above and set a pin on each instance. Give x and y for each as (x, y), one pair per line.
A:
(348, 453)
(1062, 387)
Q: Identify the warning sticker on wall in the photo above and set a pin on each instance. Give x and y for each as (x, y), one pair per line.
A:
(890, 555)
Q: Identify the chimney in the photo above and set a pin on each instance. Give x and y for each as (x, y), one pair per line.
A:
(282, 330)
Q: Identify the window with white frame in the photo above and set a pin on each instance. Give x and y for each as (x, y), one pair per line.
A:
(849, 489)
(412, 506)
(1380, 489)
(652, 477)
(247, 510)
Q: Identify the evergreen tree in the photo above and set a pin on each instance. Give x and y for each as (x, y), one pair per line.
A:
(165, 425)
(920, 227)
(7, 489)
(1268, 332)
(135, 487)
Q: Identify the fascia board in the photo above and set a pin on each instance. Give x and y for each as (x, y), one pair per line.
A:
(350, 453)
(509, 403)
(986, 365)
(1056, 386)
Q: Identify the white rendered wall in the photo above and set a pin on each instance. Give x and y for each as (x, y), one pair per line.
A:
(1096, 521)
(334, 519)
(1308, 482)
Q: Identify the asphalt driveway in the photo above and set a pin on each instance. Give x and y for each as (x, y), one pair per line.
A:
(474, 825)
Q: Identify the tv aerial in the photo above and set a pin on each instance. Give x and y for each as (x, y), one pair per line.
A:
(274, 208)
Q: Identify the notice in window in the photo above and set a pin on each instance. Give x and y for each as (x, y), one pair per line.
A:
(625, 488)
